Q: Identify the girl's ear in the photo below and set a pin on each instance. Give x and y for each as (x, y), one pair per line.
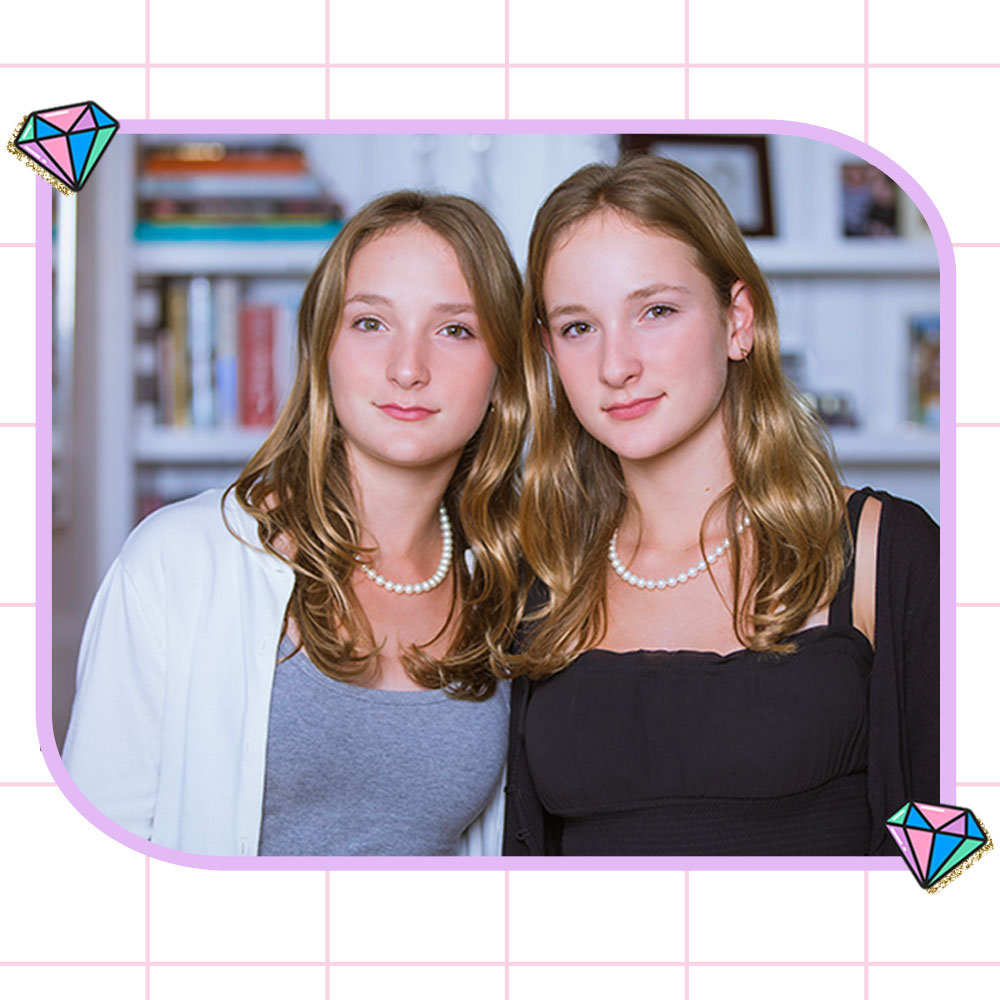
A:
(739, 322)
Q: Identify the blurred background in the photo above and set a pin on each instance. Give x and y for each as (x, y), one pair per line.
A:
(177, 272)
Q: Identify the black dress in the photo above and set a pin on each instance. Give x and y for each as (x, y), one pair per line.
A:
(697, 753)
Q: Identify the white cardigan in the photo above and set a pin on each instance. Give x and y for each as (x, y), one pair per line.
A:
(168, 735)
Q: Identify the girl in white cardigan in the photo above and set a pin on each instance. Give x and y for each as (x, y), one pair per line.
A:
(306, 664)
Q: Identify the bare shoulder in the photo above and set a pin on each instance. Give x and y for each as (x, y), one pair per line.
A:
(866, 567)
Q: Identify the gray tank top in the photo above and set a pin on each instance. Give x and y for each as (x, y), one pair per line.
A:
(352, 770)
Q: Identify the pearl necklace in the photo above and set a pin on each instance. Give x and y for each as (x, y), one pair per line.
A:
(639, 581)
(432, 581)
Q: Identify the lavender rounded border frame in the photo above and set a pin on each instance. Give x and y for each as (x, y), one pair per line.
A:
(43, 494)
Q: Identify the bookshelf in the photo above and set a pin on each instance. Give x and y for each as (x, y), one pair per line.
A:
(225, 235)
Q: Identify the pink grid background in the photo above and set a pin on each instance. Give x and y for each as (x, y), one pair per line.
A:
(82, 914)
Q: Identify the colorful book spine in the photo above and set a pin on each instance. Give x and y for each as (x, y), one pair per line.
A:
(278, 230)
(284, 295)
(180, 390)
(212, 158)
(227, 335)
(165, 378)
(200, 348)
(256, 353)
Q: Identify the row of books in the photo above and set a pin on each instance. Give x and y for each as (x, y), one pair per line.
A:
(210, 190)
(214, 352)
(219, 353)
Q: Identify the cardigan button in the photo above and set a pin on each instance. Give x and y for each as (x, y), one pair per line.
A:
(522, 835)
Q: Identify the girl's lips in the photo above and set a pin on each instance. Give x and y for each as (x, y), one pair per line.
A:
(631, 410)
(398, 412)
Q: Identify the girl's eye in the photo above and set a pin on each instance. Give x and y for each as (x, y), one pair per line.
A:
(455, 331)
(367, 323)
(577, 329)
(657, 311)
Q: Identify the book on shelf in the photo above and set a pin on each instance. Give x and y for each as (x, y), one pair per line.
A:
(177, 401)
(221, 157)
(256, 398)
(283, 296)
(219, 211)
(222, 357)
(277, 231)
(200, 337)
(194, 186)
(226, 293)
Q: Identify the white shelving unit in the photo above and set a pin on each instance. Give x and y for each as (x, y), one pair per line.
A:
(224, 257)
(845, 258)
(189, 446)
(858, 448)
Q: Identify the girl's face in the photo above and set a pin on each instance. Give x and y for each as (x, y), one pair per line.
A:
(410, 373)
(638, 336)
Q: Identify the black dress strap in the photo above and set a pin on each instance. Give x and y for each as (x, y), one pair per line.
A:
(841, 606)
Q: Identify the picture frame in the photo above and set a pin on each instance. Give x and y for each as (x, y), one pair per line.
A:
(924, 371)
(737, 166)
(870, 202)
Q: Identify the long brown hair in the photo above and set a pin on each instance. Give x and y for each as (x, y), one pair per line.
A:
(574, 497)
(298, 485)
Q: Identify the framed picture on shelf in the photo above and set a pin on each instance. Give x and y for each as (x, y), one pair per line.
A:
(924, 371)
(736, 166)
(870, 202)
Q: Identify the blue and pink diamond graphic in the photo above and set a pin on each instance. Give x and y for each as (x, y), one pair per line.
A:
(935, 840)
(68, 141)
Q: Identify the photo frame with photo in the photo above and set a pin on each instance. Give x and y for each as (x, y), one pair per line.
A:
(737, 166)
(924, 371)
(870, 202)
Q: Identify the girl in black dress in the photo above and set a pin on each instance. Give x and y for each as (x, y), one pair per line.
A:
(730, 653)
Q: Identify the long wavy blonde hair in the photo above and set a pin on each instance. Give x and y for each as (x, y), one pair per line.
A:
(784, 476)
(298, 485)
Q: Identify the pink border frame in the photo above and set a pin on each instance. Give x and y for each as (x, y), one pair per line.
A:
(43, 712)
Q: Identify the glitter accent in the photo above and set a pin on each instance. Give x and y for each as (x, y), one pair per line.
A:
(28, 161)
(965, 865)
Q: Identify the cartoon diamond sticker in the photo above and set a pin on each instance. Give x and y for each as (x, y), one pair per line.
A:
(938, 842)
(65, 142)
